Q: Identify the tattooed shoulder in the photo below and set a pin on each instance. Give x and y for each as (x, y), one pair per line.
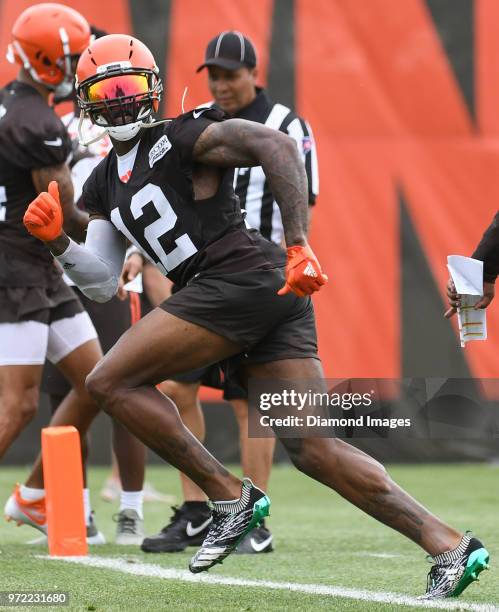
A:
(231, 143)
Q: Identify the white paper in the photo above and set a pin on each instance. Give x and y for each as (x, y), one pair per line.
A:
(467, 275)
(135, 284)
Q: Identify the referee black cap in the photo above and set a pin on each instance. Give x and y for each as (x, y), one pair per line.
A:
(230, 50)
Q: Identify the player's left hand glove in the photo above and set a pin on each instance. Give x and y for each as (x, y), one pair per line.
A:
(43, 219)
(303, 272)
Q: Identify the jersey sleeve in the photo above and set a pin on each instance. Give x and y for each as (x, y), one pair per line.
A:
(39, 143)
(187, 128)
(301, 132)
(92, 196)
(488, 251)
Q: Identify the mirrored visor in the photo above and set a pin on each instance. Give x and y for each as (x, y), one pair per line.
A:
(123, 85)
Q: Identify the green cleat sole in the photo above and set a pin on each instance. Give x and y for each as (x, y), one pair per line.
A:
(261, 509)
(478, 561)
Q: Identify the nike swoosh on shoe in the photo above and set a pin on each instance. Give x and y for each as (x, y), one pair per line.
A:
(193, 531)
(259, 546)
(39, 519)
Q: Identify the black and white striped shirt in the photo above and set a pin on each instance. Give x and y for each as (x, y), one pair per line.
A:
(250, 184)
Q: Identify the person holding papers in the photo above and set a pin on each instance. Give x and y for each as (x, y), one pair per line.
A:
(488, 252)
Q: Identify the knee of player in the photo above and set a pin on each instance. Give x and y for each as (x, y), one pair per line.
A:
(298, 452)
(184, 395)
(309, 456)
(240, 407)
(27, 404)
(100, 385)
(377, 480)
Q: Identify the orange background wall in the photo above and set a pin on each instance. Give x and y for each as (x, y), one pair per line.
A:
(374, 80)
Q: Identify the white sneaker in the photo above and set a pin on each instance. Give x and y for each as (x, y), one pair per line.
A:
(94, 536)
(33, 513)
(25, 512)
(130, 528)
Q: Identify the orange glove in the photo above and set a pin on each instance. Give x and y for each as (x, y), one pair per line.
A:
(43, 219)
(303, 272)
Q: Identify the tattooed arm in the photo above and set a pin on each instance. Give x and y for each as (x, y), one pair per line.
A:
(75, 220)
(239, 143)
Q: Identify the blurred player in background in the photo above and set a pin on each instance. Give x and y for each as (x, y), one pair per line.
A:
(239, 300)
(39, 315)
(231, 61)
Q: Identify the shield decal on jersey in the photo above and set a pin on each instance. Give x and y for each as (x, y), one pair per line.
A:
(159, 150)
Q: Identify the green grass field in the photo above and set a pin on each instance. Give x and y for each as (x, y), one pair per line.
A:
(319, 538)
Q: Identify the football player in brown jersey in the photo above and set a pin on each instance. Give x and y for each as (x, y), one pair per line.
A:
(39, 315)
(167, 187)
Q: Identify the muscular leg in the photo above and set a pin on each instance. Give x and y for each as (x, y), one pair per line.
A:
(256, 453)
(78, 408)
(356, 476)
(156, 348)
(19, 393)
(131, 457)
(185, 397)
(55, 402)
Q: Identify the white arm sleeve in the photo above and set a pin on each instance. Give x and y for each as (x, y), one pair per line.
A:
(132, 249)
(96, 267)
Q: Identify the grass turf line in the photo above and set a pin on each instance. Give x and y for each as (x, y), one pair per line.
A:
(320, 539)
(153, 570)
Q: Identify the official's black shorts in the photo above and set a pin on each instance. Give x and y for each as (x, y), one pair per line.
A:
(246, 309)
(215, 377)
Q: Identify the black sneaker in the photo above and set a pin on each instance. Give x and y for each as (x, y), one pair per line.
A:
(187, 527)
(232, 520)
(258, 540)
(455, 570)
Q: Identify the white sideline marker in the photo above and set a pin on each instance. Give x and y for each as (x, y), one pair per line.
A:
(379, 555)
(156, 571)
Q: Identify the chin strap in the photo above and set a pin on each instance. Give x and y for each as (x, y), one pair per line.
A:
(155, 123)
(81, 138)
(105, 131)
(26, 63)
(184, 96)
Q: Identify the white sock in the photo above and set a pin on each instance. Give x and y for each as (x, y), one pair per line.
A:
(30, 494)
(132, 500)
(87, 508)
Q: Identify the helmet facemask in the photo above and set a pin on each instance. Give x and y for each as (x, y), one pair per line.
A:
(121, 101)
(67, 65)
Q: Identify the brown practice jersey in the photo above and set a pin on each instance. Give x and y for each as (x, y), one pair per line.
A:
(31, 137)
(156, 210)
